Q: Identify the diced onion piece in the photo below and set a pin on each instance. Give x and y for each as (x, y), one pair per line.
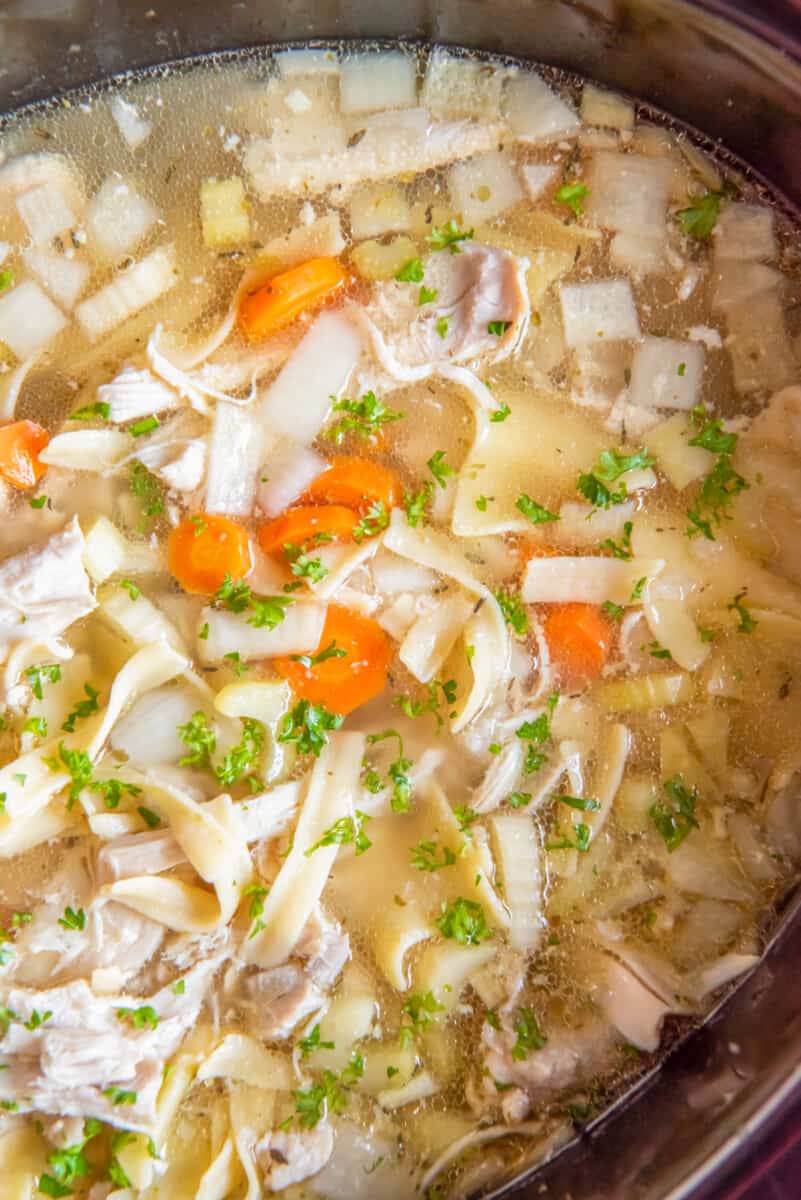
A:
(633, 802)
(28, 319)
(138, 620)
(234, 458)
(484, 187)
(307, 62)
(599, 107)
(265, 700)
(680, 463)
(64, 278)
(297, 403)
(461, 87)
(535, 112)
(133, 394)
(128, 293)
(230, 633)
(666, 373)
(589, 580)
(46, 213)
(645, 693)
(224, 215)
(602, 311)
(133, 127)
(537, 178)
(288, 471)
(148, 732)
(369, 82)
(104, 550)
(628, 193)
(746, 233)
(762, 355)
(118, 218)
(518, 864)
(379, 208)
(582, 525)
(376, 260)
(399, 1060)
(739, 283)
(637, 253)
(87, 449)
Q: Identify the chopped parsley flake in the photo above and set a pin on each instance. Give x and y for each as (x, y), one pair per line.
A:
(347, 830)
(701, 217)
(514, 613)
(501, 412)
(571, 195)
(146, 425)
(89, 411)
(529, 1035)
(674, 817)
(498, 328)
(448, 236)
(621, 549)
(364, 417)
(410, 272)
(83, 709)
(72, 919)
(464, 921)
(51, 672)
(746, 623)
(313, 1042)
(307, 726)
(416, 503)
(534, 512)
(423, 856)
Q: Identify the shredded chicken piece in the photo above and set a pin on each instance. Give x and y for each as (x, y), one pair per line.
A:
(276, 1000)
(569, 1058)
(44, 589)
(475, 288)
(68, 1052)
(287, 1157)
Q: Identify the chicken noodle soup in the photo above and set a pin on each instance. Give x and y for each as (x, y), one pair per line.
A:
(400, 606)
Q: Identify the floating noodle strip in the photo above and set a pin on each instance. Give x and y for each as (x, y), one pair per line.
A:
(214, 842)
(612, 755)
(333, 791)
(486, 631)
(222, 1175)
(29, 783)
(518, 856)
(473, 870)
(242, 1058)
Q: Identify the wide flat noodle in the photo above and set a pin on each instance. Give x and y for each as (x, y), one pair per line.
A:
(539, 449)
(214, 842)
(242, 1058)
(486, 631)
(333, 793)
(29, 784)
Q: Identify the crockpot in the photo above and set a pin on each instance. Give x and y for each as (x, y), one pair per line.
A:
(728, 68)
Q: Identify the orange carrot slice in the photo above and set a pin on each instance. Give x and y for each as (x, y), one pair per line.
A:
(284, 297)
(307, 524)
(357, 483)
(341, 682)
(579, 638)
(205, 548)
(20, 444)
